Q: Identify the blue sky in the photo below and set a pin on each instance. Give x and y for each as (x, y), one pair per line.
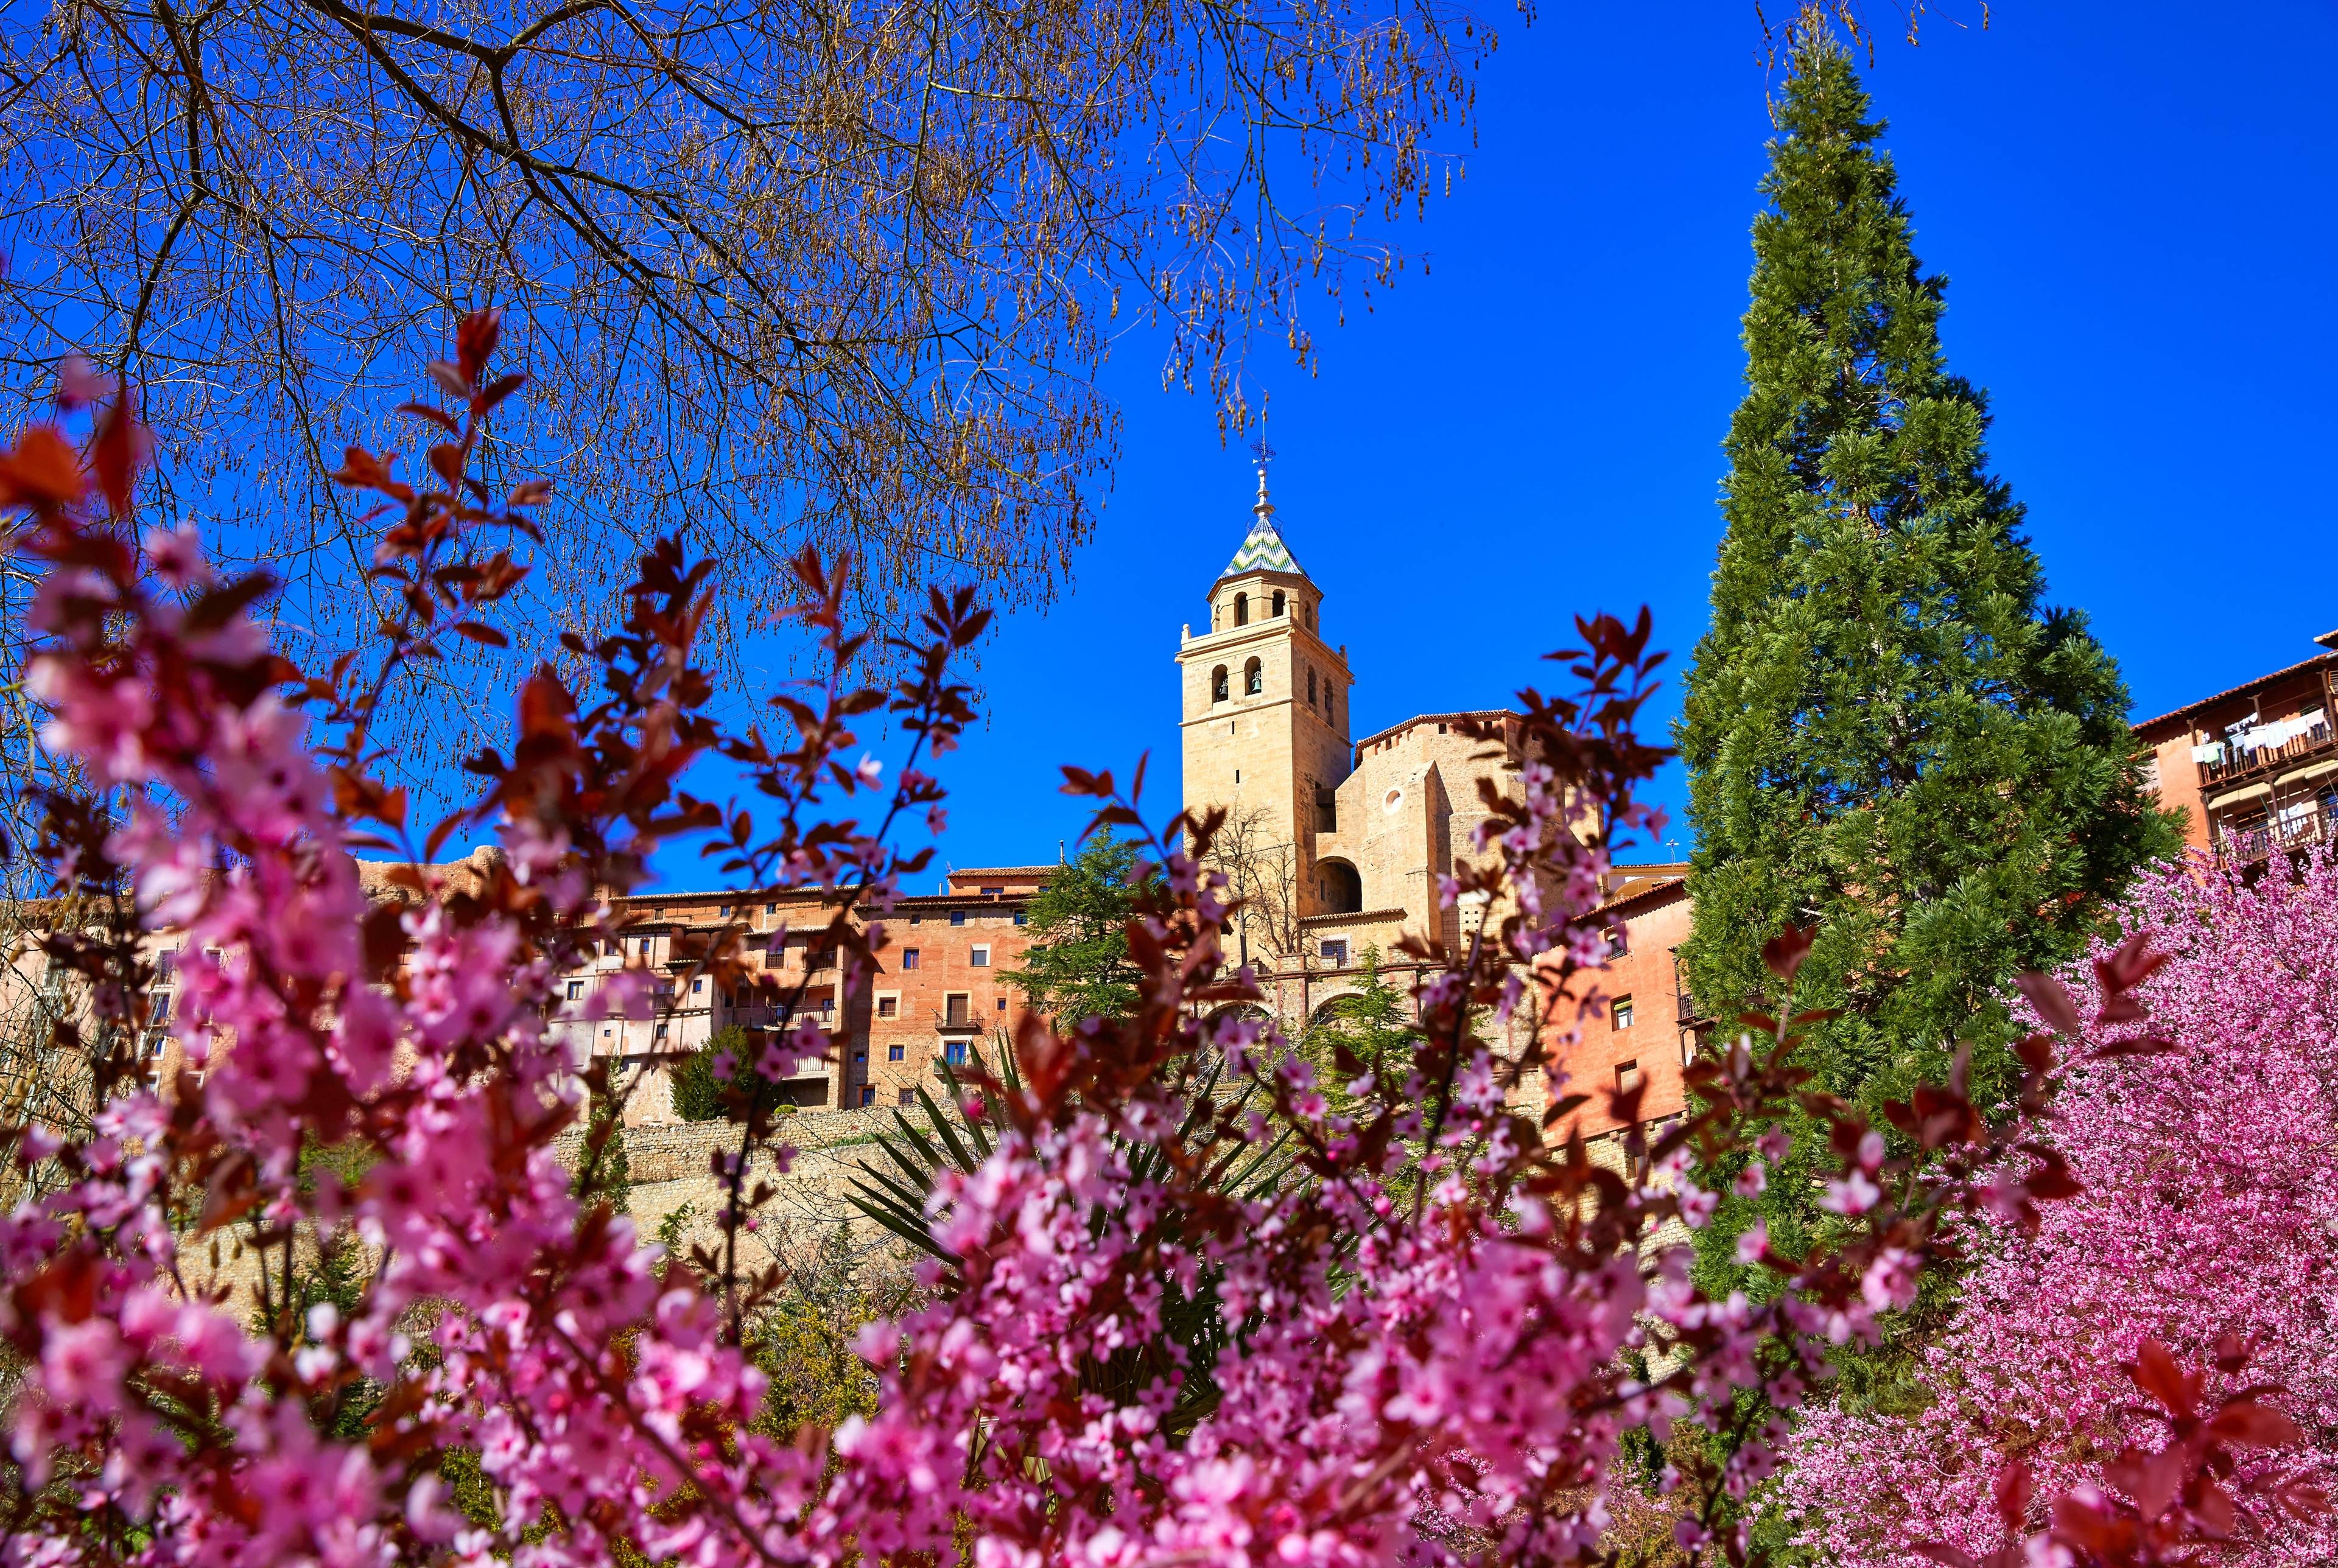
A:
(2133, 203)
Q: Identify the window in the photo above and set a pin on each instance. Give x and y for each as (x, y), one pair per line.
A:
(981, 959)
(645, 946)
(917, 919)
(1018, 916)
(1307, 614)
(1218, 684)
(861, 1056)
(1253, 679)
(161, 1000)
(1002, 1004)
(770, 909)
(1278, 603)
(992, 892)
(888, 1008)
(723, 912)
(1617, 944)
(869, 1094)
(1627, 1075)
(955, 1013)
(697, 988)
(575, 989)
(1311, 686)
(904, 1096)
(896, 1053)
(1242, 609)
(1620, 1010)
(659, 1032)
(1327, 702)
(954, 1052)
(908, 957)
(1688, 1046)
(166, 964)
(957, 916)
(1335, 950)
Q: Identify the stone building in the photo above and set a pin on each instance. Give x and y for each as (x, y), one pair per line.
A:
(1335, 842)
(2254, 768)
(1336, 847)
(939, 991)
(1633, 1021)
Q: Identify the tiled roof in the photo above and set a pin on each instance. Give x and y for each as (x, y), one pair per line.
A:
(2244, 689)
(1263, 551)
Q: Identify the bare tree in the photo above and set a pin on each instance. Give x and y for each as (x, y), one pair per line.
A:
(782, 271)
(1262, 873)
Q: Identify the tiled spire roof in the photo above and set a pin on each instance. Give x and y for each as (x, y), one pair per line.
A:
(1263, 550)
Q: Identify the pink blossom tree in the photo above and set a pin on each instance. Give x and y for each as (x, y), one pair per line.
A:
(1422, 1336)
(2208, 1210)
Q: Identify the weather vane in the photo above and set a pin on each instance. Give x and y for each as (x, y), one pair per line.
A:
(1262, 451)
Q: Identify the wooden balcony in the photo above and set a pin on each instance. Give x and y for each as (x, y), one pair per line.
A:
(1685, 1007)
(2245, 843)
(2236, 765)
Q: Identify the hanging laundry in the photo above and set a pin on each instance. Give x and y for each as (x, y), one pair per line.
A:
(2213, 753)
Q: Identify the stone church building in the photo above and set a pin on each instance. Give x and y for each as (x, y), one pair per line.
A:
(1336, 845)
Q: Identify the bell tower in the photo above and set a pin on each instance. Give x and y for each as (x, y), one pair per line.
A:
(1266, 700)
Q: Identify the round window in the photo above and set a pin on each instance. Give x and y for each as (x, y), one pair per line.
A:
(1395, 799)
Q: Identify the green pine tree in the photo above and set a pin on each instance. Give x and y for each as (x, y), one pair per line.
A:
(698, 1094)
(1371, 1028)
(1077, 963)
(1887, 732)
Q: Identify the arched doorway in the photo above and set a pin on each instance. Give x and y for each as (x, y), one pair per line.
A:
(1340, 886)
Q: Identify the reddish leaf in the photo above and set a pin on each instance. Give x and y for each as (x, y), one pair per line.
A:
(118, 451)
(65, 1289)
(475, 341)
(42, 470)
(2013, 1489)
(497, 390)
(436, 417)
(2152, 1480)
(2129, 965)
(1785, 952)
(450, 379)
(2053, 1003)
(2141, 1046)
(2245, 1424)
(2154, 1372)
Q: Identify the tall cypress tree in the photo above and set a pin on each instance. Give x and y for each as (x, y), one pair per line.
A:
(1887, 732)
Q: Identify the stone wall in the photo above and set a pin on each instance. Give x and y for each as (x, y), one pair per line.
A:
(671, 1169)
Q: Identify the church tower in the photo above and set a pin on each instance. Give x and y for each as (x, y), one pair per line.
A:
(1265, 703)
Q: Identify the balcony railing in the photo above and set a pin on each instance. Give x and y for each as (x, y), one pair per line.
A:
(2296, 828)
(2235, 759)
(1686, 1007)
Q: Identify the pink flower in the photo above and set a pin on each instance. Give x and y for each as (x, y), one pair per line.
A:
(1852, 1193)
(1890, 1282)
